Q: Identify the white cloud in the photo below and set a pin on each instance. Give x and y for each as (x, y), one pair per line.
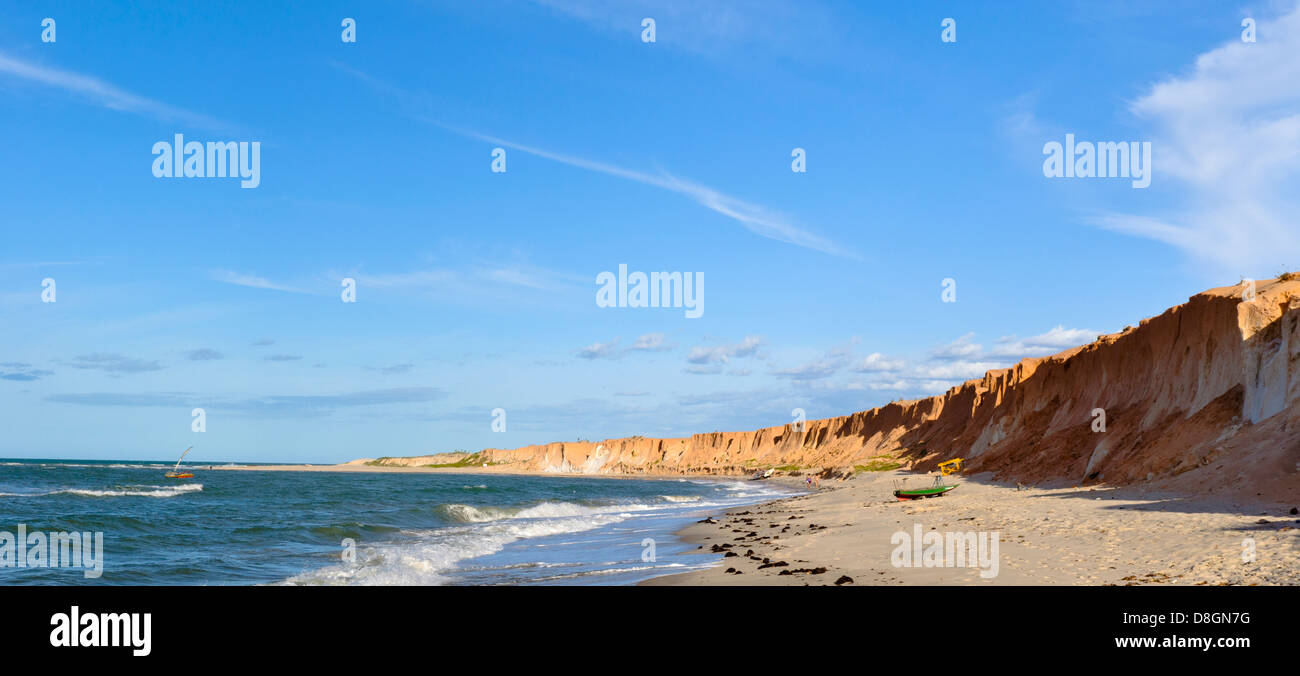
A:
(599, 350)
(911, 386)
(962, 348)
(461, 278)
(964, 359)
(721, 354)
(755, 218)
(878, 363)
(790, 27)
(811, 371)
(651, 342)
(252, 281)
(113, 363)
(960, 369)
(103, 93)
(1228, 133)
(1054, 340)
(835, 359)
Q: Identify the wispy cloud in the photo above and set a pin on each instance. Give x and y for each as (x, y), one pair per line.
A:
(791, 28)
(395, 369)
(113, 363)
(1227, 133)
(474, 278)
(204, 354)
(283, 405)
(756, 218)
(1057, 339)
(251, 281)
(598, 350)
(821, 368)
(960, 369)
(964, 359)
(840, 358)
(878, 363)
(650, 342)
(103, 93)
(283, 357)
(722, 354)
(22, 372)
(35, 264)
(962, 348)
(944, 367)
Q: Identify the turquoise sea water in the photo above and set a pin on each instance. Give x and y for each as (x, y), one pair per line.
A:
(260, 527)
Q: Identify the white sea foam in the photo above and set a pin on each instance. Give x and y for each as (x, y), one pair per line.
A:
(427, 557)
(471, 514)
(135, 491)
(428, 560)
(75, 465)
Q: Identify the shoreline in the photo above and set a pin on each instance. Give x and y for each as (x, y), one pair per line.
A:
(1091, 536)
(1060, 534)
(346, 468)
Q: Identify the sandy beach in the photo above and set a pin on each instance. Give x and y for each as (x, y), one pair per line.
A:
(1047, 536)
(1064, 535)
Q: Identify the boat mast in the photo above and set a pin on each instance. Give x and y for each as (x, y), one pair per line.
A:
(178, 460)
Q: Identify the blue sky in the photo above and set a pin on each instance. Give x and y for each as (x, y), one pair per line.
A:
(476, 290)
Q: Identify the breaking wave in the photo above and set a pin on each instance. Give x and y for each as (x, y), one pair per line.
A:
(134, 491)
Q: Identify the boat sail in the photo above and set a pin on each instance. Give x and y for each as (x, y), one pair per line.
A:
(176, 472)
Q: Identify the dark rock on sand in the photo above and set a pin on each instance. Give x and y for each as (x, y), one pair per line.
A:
(806, 571)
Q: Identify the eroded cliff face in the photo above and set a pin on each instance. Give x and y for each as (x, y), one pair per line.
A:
(1212, 383)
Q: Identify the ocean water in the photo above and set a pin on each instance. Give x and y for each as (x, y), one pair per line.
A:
(261, 527)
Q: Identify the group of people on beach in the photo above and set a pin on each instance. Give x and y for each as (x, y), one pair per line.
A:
(813, 481)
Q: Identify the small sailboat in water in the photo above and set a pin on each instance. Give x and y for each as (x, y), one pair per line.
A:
(176, 472)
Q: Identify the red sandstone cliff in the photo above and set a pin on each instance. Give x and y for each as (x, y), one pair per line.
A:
(1210, 385)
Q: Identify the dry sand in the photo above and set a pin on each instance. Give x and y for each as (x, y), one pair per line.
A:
(1074, 536)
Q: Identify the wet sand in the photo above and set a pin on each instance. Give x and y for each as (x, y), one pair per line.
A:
(1046, 536)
